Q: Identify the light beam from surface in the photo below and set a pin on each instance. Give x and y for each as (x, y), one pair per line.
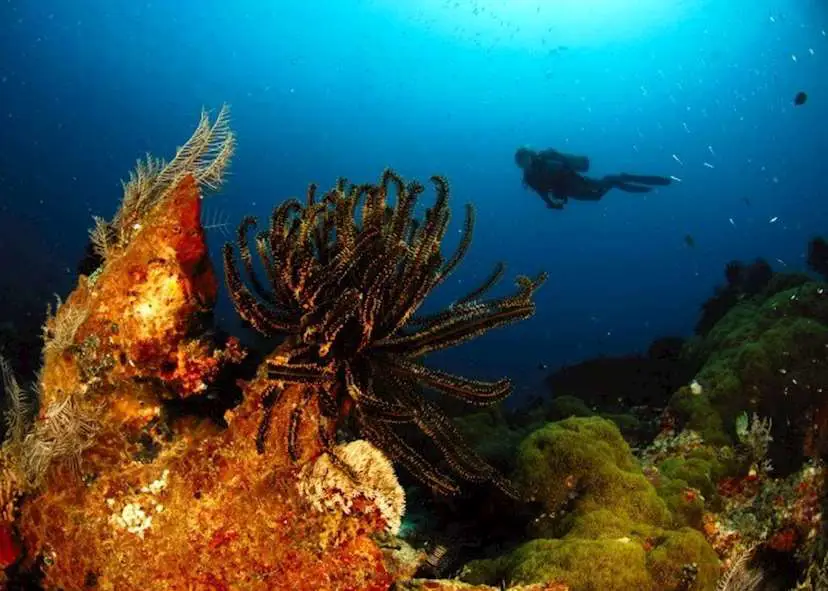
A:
(522, 23)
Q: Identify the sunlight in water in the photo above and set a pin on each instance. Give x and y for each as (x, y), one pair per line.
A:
(560, 22)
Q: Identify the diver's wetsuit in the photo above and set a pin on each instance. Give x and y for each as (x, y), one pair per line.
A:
(555, 177)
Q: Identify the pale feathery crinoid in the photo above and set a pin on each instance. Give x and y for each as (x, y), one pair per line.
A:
(345, 275)
(61, 434)
(59, 328)
(740, 576)
(10, 488)
(19, 408)
(205, 156)
(17, 422)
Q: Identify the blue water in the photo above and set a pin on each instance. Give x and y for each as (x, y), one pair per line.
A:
(701, 90)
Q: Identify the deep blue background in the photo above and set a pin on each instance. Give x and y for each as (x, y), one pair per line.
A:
(323, 88)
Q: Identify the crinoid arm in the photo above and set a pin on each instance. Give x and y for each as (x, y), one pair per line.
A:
(345, 276)
(19, 407)
(65, 431)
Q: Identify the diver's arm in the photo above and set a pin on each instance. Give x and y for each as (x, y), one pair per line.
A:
(552, 203)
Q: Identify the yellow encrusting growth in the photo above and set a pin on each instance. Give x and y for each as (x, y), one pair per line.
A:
(155, 301)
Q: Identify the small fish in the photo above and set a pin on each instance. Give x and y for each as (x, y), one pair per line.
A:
(800, 98)
(773, 219)
(689, 241)
(708, 165)
(542, 366)
(677, 159)
(732, 223)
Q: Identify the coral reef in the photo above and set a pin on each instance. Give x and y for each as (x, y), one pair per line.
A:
(755, 415)
(742, 281)
(602, 524)
(118, 473)
(431, 585)
(765, 356)
(111, 485)
(737, 467)
(204, 159)
(120, 493)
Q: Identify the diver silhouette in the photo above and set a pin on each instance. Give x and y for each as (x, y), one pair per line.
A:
(556, 177)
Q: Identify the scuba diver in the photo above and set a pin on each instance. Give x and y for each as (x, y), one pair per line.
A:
(557, 177)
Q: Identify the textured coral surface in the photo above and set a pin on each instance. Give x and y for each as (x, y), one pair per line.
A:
(135, 317)
(113, 486)
(604, 526)
(181, 505)
(213, 515)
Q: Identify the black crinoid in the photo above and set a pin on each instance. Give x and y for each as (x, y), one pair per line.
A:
(345, 275)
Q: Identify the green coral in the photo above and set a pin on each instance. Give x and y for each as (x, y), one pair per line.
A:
(563, 407)
(496, 435)
(762, 350)
(682, 551)
(583, 564)
(687, 509)
(586, 459)
(491, 435)
(605, 525)
(605, 564)
(696, 470)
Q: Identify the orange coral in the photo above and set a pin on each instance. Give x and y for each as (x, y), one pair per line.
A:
(203, 508)
(138, 312)
(214, 513)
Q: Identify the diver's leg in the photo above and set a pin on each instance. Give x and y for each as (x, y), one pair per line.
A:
(645, 179)
(592, 189)
(584, 188)
(629, 188)
(621, 182)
